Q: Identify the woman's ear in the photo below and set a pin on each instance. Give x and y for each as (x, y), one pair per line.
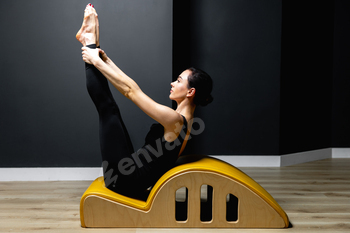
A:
(191, 92)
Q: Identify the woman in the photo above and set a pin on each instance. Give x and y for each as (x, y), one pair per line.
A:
(125, 171)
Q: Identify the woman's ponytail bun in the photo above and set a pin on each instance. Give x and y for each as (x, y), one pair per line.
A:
(207, 101)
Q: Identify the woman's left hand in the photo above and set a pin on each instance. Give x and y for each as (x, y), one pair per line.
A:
(90, 55)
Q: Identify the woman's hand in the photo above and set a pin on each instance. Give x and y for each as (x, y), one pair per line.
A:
(90, 55)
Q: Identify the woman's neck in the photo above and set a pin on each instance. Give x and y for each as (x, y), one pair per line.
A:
(186, 108)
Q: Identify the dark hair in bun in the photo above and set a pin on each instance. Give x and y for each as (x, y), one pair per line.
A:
(203, 84)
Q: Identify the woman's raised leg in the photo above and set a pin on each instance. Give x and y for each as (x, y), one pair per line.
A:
(115, 142)
(114, 137)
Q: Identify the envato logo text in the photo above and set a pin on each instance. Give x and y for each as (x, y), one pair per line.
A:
(127, 165)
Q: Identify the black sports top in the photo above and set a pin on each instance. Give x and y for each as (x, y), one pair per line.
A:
(163, 154)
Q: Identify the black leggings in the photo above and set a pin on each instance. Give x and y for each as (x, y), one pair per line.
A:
(115, 142)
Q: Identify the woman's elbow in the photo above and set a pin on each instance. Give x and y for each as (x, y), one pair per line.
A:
(130, 93)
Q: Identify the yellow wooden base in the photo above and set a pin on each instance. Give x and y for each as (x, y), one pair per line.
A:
(100, 207)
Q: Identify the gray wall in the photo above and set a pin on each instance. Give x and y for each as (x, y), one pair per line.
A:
(239, 44)
(341, 76)
(315, 83)
(280, 70)
(47, 118)
(268, 97)
(306, 77)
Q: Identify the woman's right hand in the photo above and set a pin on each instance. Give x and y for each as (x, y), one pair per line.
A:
(90, 56)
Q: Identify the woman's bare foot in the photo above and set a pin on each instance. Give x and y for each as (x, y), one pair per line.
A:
(97, 28)
(87, 33)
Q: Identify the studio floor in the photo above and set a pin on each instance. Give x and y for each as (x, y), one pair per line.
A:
(315, 196)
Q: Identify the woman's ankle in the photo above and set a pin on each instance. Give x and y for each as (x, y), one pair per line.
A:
(91, 46)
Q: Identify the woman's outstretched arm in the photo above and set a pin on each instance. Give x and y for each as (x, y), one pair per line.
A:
(118, 78)
(129, 88)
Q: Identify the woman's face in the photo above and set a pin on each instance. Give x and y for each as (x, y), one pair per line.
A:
(179, 88)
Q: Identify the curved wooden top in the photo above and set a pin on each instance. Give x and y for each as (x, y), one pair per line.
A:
(186, 164)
